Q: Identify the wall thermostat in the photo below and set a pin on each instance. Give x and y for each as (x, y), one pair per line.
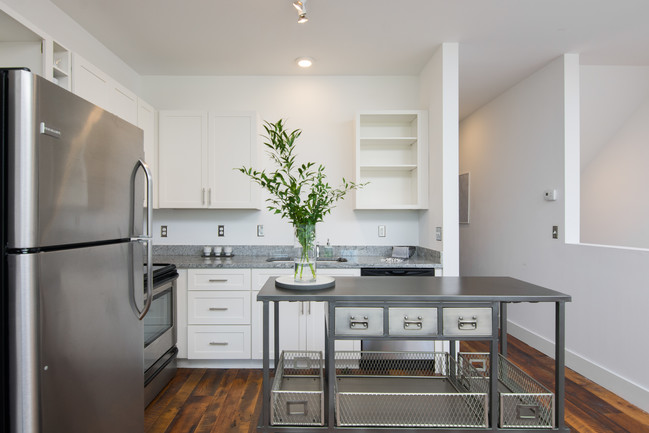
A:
(550, 195)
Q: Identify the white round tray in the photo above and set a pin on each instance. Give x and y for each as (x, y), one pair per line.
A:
(321, 282)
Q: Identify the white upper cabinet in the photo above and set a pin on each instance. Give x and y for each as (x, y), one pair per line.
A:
(94, 85)
(198, 154)
(146, 121)
(392, 157)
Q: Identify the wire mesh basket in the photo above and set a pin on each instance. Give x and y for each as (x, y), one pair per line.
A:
(524, 403)
(408, 389)
(297, 395)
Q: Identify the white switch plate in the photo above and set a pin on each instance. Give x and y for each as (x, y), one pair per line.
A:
(550, 195)
(381, 231)
(438, 233)
(260, 230)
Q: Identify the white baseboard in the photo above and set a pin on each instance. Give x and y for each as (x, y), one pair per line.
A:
(626, 389)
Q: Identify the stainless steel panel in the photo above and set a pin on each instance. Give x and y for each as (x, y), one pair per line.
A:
(23, 329)
(412, 321)
(91, 340)
(70, 165)
(359, 321)
(467, 321)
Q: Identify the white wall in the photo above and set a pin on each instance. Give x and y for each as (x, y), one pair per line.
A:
(615, 155)
(324, 108)
(439, 93)
(48, 18)
(514, 149)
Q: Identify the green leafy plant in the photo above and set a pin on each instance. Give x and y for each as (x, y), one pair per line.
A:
(298, 192)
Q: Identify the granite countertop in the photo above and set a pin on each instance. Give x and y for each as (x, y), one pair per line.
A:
(189, 257)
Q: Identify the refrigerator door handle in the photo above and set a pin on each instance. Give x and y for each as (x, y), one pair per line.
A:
(147, 237)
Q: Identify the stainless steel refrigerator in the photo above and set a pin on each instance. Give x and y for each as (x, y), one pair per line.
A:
(75, 236)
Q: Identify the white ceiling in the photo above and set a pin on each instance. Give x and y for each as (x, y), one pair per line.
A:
(501, 41)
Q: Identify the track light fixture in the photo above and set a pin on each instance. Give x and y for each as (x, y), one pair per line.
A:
(300, 6)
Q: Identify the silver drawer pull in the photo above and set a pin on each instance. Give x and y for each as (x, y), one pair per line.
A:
(413, 325)
(218, 308)
(467, 325)
(527, 411)
(221, 280)
(358, 324)
(219, 343)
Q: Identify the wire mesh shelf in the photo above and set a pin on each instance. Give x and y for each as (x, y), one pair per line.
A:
(408, 389)
(524, 402)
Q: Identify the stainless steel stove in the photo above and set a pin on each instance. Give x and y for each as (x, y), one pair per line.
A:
(160, 332)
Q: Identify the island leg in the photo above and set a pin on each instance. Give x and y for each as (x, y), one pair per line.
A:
(559, 364)
(265, 403)
(503, 329)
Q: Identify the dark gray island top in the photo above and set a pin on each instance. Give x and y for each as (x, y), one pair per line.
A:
(416, 289)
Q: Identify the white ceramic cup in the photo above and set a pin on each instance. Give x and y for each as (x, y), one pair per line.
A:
(207, 251)
(227, 251)
(217, 251)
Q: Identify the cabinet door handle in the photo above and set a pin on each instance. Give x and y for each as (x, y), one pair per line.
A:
(412, 325)
(209, 196)
(218, 308)
(218, 343)
(467, 325)
(202, 196)
(358, 323)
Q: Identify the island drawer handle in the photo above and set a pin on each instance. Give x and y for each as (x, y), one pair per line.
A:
(467, 325)
(218, 343)
(358, 324)
(527, 411)
(413, 325)
(296, 408)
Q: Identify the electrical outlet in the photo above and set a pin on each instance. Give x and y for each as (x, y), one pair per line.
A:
(163, 231)
(260, 230)
(381, 231)
(221, 231)
(438, 233)
(555, 232)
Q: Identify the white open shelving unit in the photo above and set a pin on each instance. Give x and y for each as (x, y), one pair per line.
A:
(392, 157)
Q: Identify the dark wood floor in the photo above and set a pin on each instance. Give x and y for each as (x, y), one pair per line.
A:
(228, 400)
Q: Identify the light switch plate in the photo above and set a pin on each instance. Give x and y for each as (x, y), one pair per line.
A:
(438, 233)
(381, 231)
(260, 230)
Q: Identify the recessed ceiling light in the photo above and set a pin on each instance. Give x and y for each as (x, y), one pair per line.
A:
(304, 62)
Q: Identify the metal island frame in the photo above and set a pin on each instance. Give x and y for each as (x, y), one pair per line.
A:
(444, 296)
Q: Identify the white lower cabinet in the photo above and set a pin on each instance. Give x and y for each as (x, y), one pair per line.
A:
(218, 342)
(218, 314)
(302, 324)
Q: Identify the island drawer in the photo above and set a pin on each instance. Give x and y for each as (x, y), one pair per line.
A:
(408, 389)
(297, 395)
(415, 322)
(524, 403)
(359, 321)
(467, 321)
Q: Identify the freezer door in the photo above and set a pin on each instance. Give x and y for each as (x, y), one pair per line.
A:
(77, 354)
(70, 166)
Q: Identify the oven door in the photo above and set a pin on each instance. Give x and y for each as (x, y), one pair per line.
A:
(160, 324)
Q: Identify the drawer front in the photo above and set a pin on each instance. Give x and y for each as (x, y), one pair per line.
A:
(467, 321)
(218, 342)
(219, 279)
(359, 321)
(413, 322)
(218, 308)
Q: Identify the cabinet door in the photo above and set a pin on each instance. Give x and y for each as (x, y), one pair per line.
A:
(232, 144)
(89, 82)
(182, 161)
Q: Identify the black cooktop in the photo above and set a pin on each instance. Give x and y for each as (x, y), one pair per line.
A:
(162, 272)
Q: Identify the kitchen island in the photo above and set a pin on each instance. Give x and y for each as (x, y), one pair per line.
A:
(448, 308)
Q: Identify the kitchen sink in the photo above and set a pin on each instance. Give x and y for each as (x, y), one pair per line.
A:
(320, 259)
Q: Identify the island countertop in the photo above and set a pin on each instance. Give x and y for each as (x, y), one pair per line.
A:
(415, 289)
